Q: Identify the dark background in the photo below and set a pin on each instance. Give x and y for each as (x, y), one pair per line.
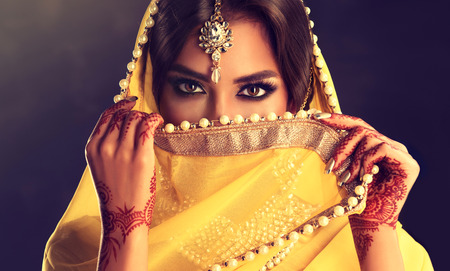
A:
(61, 60)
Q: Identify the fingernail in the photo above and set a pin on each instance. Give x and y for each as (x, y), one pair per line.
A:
(320, 116)
(131, 98)
(330, 166)
(345, 177)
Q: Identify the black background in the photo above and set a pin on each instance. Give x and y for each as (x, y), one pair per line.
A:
(61, 60)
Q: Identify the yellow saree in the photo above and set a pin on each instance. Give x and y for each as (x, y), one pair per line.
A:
(252, 196)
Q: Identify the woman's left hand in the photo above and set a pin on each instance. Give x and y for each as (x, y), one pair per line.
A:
(390, 187)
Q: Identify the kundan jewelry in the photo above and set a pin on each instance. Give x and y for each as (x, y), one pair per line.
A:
(215, 39)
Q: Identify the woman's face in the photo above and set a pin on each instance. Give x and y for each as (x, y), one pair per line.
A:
(250, 80)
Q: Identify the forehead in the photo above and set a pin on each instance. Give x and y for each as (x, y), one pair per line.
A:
(251, 51)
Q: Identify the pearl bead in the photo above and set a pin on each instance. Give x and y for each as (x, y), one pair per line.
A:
(319, 63)
(254, 118)
(311, 24)
(204, 122)
(328, 90)
(288, 115)
(359, 190)
(118, 98)
(137, 53)
(270, 265)
(307, 10)
(185, 125)
(323, 77)
(375, 169)
(131, 66)
(216, 267)
(293, 236)
(249, 256)
(272, 116)
(150, 22)
(367, 178)
(332, 101)
(315, 39)
(316, 51)
(238, 119)
(224, 120)
(263, 250)
(232, 263)
(278, 242)
(143, 39)
(339, 211)
(123, 83)
(308, 229)
(352, 201)
(153, 9)
(276, 261)
(302, 114)
(323, 221)
(169, 128)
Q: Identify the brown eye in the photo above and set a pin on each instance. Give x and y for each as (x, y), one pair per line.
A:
(253, 91)
(190, 87)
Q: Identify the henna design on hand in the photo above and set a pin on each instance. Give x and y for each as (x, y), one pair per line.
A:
(126, 219)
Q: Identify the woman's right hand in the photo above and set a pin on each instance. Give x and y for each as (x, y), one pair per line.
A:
(121, 158)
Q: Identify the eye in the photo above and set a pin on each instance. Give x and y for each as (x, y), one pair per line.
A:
(190, 87)
(252, 91)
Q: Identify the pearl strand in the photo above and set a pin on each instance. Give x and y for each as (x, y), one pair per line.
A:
(347, 206)
(142, 39)
(238, 119)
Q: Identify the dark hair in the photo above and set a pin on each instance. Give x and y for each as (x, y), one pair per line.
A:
(285, 21)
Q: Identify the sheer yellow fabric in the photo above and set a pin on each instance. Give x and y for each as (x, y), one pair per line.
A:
(210, 208)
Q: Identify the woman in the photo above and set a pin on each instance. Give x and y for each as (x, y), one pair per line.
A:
(246, 174)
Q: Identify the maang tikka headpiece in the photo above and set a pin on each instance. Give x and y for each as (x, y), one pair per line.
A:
(216, 38)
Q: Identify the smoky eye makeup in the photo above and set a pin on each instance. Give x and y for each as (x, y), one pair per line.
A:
(183, 86)
(256, 91)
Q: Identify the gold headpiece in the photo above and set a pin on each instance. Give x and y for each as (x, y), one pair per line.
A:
(216, 38)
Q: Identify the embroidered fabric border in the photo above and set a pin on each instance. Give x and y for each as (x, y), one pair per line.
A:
(251, 137)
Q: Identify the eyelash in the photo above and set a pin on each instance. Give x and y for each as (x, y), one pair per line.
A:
(268, 87)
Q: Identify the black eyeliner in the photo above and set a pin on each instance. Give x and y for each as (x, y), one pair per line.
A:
(268, 87)
(175, 81)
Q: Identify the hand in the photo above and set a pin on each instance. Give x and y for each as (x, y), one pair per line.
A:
(390, 187)
(121, 158)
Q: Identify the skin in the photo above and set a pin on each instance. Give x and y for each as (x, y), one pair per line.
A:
(120, 150)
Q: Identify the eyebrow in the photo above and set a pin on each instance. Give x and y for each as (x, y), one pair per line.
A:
(258, 76)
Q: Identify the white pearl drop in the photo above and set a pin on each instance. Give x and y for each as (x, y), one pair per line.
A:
(131, 66)
(352, 201)
(232, 263)
(308, 229)
(263, 250)
(293, 236)
(323, 221)
(118, 98)
(150, 22)
(332, 101)
(216, 267)
(339, 211)
(270, 265)
(359, 190)
(315, 39)
(307, 10)
(204, 122)
(311, 24)
(375, 169)
(323, 77)
(272, 116)
(316, 50)
(238, 119)
(288, 115)
(224, 120)
(319, 63)
(249, 256)
(328, 90)
(137, 53)
(367, 178)
(278, 242)
(123, 83)
(185, 125)
(143, 39)
(169, 128)
(254, 118)
(302, 114)
(153, 9)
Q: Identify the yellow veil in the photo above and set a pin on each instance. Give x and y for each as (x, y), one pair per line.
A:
(254, 195)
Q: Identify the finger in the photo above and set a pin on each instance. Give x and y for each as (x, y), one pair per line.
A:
(99, 129)
(146, 131)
